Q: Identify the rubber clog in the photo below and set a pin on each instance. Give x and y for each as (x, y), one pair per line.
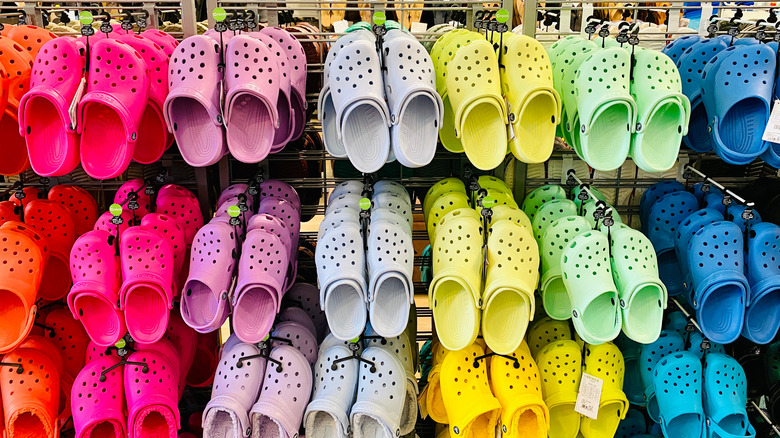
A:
(416, 110)
(651, 196)
(182, 205)
(726, 414)
(675, 49)
(343, 287)
(444, 205)
(472, 409)
(362, 116)
(511, 279)
(605, 362)
(566, 66)
(688, 227)
(519, 390)
(327, 415)
(173, 233)
(604, 108)
(545, 331)
(117, 98)
(642, 294)
(514, 214)
(390, 263)
(251, 96)
(663, 222)
(400, 203)
(560, 369)
(31, 409)
(444, 186)
(431, 401)
(296, 58)
(31, 38)
(279, 410)
(227, 413)
(82, 205)
(555, 238)
(287, 213)
(681, 409)
(551, 212)
(52, 142)
(534, 106)
(146, 295)
(378, 412)
(632, 426)
(274, 225)
(734, 213)
(260, 285)
(663, 111)
(720, 289)
(480, 116)
(456, 289)
(96, 410)
(16, 64)
(9, 212)
(54, 221)
(595, 308)
(152, 403)
(539, 196)
(21, 285)
(307, 297)
(668, 342)
(763, 271)
(204, 303)
(135, 188)
(206, 355)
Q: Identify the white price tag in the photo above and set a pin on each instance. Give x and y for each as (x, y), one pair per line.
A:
(589, 397)
(340, 26)
(74, 104)
(419, 28)
(772, 130)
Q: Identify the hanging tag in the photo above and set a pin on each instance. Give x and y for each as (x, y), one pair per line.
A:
(142, 22)
(340, 26)
(502, 16)
(589, 396)
(365, 208)
(85, 17)
(116, 212)
(772, 130)
(127, 25)
(419, 27)
(234, 211)
(251, 24)
(74, 104)
(22, 19)
(236, 24)
(106, 27)
(220, 15)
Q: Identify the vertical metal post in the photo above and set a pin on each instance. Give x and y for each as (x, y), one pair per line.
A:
(189, 20)
(210, 6)
(529, 18)
(152, 21)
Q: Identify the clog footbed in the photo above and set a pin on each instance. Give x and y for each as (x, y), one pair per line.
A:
(82, 205)
(720, 289)
(688, 227)
(16, 64)
(146, 295)
(152, 403)
(668, 342)
(662, 111)
(440, 188)
(390, 263)
(642, 294)
(653, 194)
(479, 109)
(54, 221)
(691, 65)
(746, 101)
(260, 285)
(112, 108)
(551, 212)
(307, 297)
(560, 369)
(416, 109)
(663, 221)
(251, 97)
(632, 426)
(566, 64)
(511, 279)
(362, 115)
(279, 409)
(763, 272)
(605, 362)
(326, 415)
(377, 413)
(534, 200)
(595, 304)
(607, 112)
(545, 331)
(226, 414)
(455, 292)
(95, 410)
(326, 110)
(678, 387)
(192, 108)
(343, 288)
(472, 409)
(519, 390)
(534, 106)
(448, 45)
(204, 301)
(52, 143)
(20, 289)
(725, 407)
(31, 409)
(557, 237)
